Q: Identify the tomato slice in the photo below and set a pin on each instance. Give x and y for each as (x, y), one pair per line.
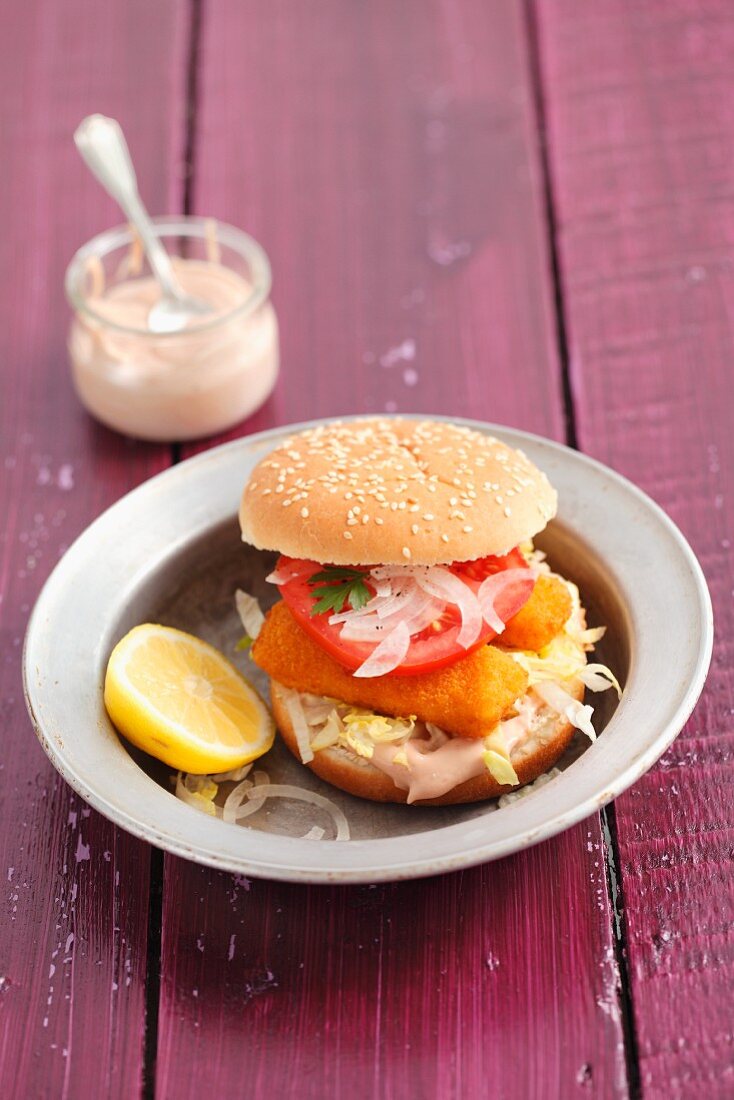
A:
(434, 647)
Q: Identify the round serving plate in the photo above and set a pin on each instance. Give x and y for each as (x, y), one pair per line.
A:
(170, 552)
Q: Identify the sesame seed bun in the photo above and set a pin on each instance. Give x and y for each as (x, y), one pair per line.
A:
(392, 491)
(349, 772)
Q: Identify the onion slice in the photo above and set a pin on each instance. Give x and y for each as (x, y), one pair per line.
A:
(390, 653)
(443, 584)
(490, 589)
(250, 612)
(234, 800)
(253, 796)
(293, 705)
(285, 790)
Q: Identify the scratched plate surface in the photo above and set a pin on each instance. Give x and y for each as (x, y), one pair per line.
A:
(172, 554)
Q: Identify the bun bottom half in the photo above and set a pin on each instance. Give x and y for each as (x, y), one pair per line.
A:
(352, 773)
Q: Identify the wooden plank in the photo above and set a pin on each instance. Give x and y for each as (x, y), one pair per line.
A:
(73, 935)
(640, 112)
(386, 157)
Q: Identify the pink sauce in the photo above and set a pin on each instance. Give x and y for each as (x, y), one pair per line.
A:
(431, 773)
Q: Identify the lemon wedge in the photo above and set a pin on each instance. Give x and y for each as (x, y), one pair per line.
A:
(180, 700)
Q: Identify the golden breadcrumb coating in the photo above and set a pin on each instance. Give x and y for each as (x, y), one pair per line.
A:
(467, 699)
(541, 618)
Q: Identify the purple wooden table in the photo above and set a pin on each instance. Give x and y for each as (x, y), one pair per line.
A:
(521, 212)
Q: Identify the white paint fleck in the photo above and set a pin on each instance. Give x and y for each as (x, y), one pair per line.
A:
(446, 254)
(82, 850)
(230, 951)
(410, 376)
(400, 353)
(391, 406)
(414, 298)
(65, 477)
(696, 274)
(10, 873)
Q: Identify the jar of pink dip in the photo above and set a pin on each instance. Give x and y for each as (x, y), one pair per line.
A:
(174, 386)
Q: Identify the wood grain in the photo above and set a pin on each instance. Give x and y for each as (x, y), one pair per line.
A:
(73, 933)
(640, 111)
(386, 156)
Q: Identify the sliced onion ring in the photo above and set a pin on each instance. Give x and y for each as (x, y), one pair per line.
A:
(445, 585)
(296, 713)
(490, 589)
(250, 612)
(390, 653)
(285, 790)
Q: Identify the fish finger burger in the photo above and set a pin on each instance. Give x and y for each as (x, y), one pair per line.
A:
(421, 649)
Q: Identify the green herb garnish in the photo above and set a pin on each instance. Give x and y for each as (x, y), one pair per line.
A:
(336, 587)
(244, 643)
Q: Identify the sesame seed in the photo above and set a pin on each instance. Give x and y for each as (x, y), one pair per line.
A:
(508, 510)
(428, 517)
(406, 552)
(304, 513)
(415, 528)
(379, 520)
(467, 530)
(347, 534)
(351, 521)
(266, 492)
(285, 503)
(444, 538)
(453, 501)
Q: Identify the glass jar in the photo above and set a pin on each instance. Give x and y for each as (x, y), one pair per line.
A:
(182, 385)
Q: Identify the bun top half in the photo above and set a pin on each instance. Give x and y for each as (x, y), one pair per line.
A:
(393, 491)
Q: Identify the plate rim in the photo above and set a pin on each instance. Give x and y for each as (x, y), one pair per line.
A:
(481, 852)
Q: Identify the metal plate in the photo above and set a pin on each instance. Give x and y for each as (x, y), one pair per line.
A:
(170, 552)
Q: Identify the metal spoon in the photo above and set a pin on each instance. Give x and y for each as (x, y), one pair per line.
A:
(102, 144)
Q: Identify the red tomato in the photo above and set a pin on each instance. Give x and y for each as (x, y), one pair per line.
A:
(434, 647)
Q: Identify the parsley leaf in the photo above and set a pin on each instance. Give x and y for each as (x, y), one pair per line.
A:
(244, 643)
(336, 587)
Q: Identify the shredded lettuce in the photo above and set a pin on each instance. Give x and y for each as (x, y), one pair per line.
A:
(598, 677)
(499, 767)
(362, 730)
(561, 659)
(198, 791)
(329, 733)
(497, 757)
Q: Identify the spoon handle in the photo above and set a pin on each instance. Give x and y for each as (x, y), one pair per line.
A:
(102, 145)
